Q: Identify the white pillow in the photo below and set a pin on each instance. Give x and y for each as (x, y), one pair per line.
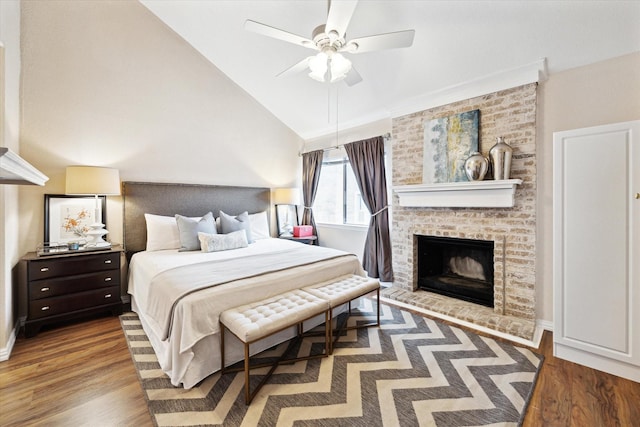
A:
(162, 232)
(259, 225)
(222, 242)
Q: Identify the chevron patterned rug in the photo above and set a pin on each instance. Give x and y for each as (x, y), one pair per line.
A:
(412, 371)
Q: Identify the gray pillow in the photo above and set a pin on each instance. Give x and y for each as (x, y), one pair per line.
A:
(222, 242)
(230, 223)
(188, 229)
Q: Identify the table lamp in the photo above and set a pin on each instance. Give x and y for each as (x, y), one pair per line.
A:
(95, 181)
(288, 197)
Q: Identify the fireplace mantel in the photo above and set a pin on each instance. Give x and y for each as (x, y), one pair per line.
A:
(473, 194)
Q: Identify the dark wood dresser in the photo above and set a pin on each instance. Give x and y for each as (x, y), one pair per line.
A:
(60, 287)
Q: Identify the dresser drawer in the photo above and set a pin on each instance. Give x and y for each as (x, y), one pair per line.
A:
(68, 285)
(64, 304)
(47, 268)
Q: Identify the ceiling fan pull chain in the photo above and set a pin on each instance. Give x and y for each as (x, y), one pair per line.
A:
(337, 142)
(328, 105)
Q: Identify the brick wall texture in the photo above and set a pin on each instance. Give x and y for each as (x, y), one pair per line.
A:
(511, 114)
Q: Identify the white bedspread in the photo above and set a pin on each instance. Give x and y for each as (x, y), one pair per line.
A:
(286, 265)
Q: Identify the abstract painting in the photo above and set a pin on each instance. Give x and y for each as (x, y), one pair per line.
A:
(448, 141)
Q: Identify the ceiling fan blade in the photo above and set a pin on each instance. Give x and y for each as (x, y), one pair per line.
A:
(340, 13)
(297, 68)
(279, 34)
(353, 77)
(380, 42)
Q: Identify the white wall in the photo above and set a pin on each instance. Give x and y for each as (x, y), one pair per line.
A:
(344, 237)
(345, 136)
(9, 137)
(109, 84)
(596, 94)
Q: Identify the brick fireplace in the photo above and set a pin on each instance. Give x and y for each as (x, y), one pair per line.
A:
(512, 114)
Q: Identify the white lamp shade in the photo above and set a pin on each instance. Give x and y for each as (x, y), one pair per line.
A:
(92, 180)
(286, 196)
(340, 67)
(337, 65)
(318, 66)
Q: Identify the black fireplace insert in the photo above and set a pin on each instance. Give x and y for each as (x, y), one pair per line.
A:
(459, 268)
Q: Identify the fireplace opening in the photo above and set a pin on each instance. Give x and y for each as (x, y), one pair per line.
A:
(459, 268)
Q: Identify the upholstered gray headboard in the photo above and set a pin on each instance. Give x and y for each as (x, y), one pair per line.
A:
(184, 199)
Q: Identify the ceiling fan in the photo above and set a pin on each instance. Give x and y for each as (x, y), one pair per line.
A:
(330, 41)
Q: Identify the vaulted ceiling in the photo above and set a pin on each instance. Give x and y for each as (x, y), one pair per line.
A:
(455, 42)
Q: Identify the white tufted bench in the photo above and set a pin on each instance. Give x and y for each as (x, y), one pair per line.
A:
(344, 290)
(258, 320)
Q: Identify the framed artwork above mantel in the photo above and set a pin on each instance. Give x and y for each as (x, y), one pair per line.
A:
(448, 142)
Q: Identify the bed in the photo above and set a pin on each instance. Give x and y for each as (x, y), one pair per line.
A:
(179, 295)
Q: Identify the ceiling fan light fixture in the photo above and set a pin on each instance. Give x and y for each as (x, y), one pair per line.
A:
(329, 61)
(318, 66)
(340, 67)
(329, 39)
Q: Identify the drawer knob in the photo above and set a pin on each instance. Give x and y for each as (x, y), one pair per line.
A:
(107, 296)
(44, 289)
(45, 308)
(107, 279)
(107, 261)
(44, 269)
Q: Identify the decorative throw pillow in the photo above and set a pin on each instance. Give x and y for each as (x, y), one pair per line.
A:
(230, 223)
(222, 242)
(162, 232)
(259, 225)
(189, 228)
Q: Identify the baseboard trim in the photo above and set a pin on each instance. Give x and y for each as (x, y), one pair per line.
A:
(547, 325)
(5, 352)
(596, 361)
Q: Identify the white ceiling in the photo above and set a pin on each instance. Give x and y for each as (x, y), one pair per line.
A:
(455, 42)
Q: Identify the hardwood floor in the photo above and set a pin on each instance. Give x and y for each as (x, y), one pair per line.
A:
(82, 374)
(568, 394)
(78, 374)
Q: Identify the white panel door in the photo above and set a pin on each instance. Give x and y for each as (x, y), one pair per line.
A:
(596, 247)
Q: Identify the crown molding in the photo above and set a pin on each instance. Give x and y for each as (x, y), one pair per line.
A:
(15, 170)
(346, 126)
(530, 73)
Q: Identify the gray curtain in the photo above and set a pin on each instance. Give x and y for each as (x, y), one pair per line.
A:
(311, 167)
(367, 160)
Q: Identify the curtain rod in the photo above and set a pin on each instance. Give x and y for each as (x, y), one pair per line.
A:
(386, 137)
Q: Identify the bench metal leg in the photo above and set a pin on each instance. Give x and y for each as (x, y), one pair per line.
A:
(342, 327)
(378, 301)
(248, 394)
(222, 328)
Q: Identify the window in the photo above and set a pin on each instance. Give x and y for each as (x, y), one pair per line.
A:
(338, 199)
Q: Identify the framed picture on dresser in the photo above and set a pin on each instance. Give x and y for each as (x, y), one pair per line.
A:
(67, 218)
(286, 218)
